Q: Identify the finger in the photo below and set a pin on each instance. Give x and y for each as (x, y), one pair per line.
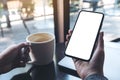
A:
(18, 64)
(14, 49)
(67, 37)
(74, 60)
(77, 61)
(66, 43)
(23, 50)
(101, 41)
(22, 64)
(99, 52)
(25, 54)
(70, 32)
(23, 44)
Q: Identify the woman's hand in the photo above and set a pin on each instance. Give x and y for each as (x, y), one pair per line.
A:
(95, 65)
(14, 57)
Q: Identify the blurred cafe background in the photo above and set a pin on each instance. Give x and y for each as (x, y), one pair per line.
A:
(18, 18)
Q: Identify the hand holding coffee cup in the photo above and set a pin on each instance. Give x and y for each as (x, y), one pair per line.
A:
(42, 48)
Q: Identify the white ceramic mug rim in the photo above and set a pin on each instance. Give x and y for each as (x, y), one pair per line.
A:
(53, 37)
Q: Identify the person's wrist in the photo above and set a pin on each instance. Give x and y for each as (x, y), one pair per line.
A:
(88, 73)
(96, 77)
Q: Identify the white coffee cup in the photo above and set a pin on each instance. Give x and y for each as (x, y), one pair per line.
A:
(42, 48)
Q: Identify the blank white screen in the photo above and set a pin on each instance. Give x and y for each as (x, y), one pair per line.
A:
(84, 35)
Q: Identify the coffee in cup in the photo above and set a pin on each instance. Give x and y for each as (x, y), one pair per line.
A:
(42, 48)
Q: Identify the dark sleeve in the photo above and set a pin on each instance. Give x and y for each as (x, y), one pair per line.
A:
(96, 77)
